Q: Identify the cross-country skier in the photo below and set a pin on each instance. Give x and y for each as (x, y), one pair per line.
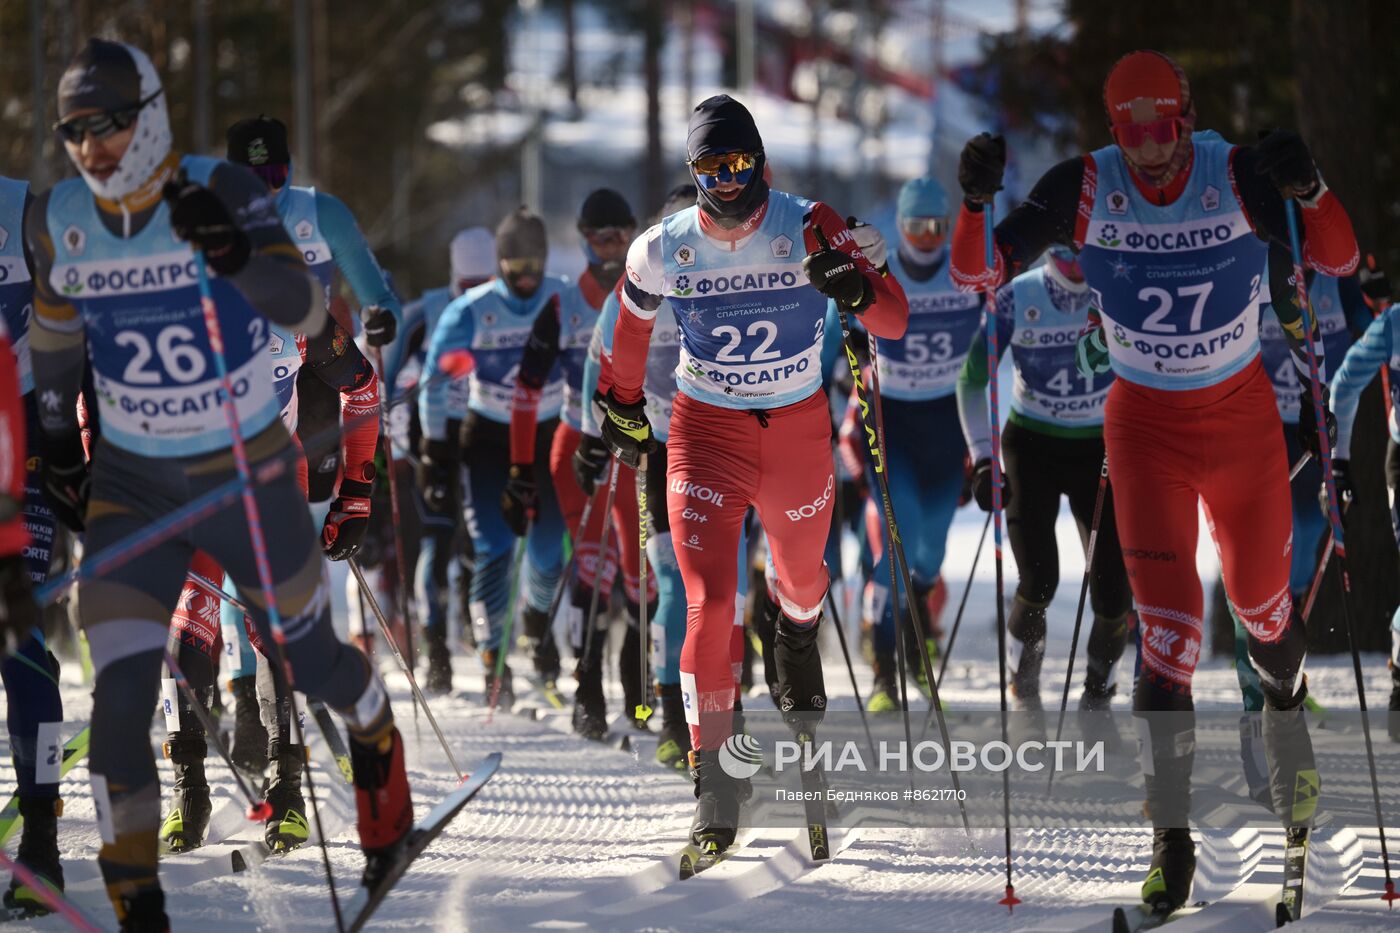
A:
(1377, 349)
(115, 281)
(27, 527)
(1053, 447)
(472, 259)
(918, 378)
(750, 424)
(1171, 234)
(559, 343)
(483, 332)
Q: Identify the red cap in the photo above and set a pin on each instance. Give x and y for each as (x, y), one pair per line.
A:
(1145, 86)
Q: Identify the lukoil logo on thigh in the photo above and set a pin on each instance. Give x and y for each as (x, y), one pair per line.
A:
(816, 506)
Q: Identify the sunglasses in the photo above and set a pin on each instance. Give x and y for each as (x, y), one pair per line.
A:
(605, 235)
(1162, 132)
(101, 124)
(924, 226)
(529, 266)
(736, 162)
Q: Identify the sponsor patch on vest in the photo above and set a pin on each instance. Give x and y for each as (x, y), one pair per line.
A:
(782, 246)
(1210, 198)
(303, 230)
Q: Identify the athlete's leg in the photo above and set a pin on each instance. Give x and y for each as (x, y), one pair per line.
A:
(1033, 506)
(486, 455)
(545, 556)
(1392, 482)
(1309, 523)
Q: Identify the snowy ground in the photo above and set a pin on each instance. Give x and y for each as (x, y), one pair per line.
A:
(572, 835)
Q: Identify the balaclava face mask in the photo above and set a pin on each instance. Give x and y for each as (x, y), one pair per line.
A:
(601, 209)
(521, 236)
(721, 124)
(112, 76)
(261, 144)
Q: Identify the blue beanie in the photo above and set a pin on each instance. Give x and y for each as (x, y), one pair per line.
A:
(923, 197)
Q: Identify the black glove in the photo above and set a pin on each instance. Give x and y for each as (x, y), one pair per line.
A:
(626, 430)
(980, 167)
(437, 466)
(1284, 157)
(380, 325)
(343, 531)
(1341, 476)
(520, 499)
(1374, 284)
(836, 275)
(67, 481)
(1307, 422)
(18, 611)
(590, 460)
(199, 217)
(982, 485)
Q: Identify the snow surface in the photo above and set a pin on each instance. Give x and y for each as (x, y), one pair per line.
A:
(572, 835)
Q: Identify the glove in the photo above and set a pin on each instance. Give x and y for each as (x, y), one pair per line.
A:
(980, 167)
(344, 529)
(436, 462)
(1374, 284)
(199, 217)
(67, 482)
(1091, 353)
(982, 485)
(627, 431)
(1307, 422)
(380, 325)
(590, 460)
(1341, 476)
(18, 611)
(835, 275)
(1284, 157)
(520, 499)
(870, 241)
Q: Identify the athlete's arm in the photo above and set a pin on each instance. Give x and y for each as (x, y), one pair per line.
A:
(276, 281)
(353, 257)
(1358, 368)
(452, 336)
(641, 296)
(57, 337)
(13, 536)
(536, 360)
(1354, 308)
(973, 410)
(335, 359)
(887, 314)
(1327, 238)
(1049, 215)
(599, 359)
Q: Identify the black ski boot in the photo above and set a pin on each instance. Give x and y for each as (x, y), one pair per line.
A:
(1025, 647)
(717, 808)
(544, 651)
(590, 708)
(884, 695)
(674, 748)
(765, 626)
(287, 828)
(505, 696)
(143, 912)
(439, 679)
(38, 851)
(1168, 883)
(188, 819)
(249, 747)
(629, 671)
(801, 687)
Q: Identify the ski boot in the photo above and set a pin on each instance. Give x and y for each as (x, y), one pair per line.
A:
(286, 829)
(590, 708)
(143, 912)
(1168, 883)
(674, 747)
(439, 679)
(249, 746)
(629, 670)
(884, 695)
(1025, 648)
(544, 651)
(38, 851)
(188, 819)
(504, 695)
(383, 804)
(801, 686)
(717, 808)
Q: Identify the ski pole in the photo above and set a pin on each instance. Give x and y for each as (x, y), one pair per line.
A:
(993, 359)
(52, 899)
(891, 525)
(1334, 516)
(850, 668)
(255, 533)
(962, 604)
(400, 557)
(258, 810)
(1297, 468)
(517, 558)
(398, 656)
(1083, 594)
(567, 576)
(603, 542)
(1317, 576)
(643, 710)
